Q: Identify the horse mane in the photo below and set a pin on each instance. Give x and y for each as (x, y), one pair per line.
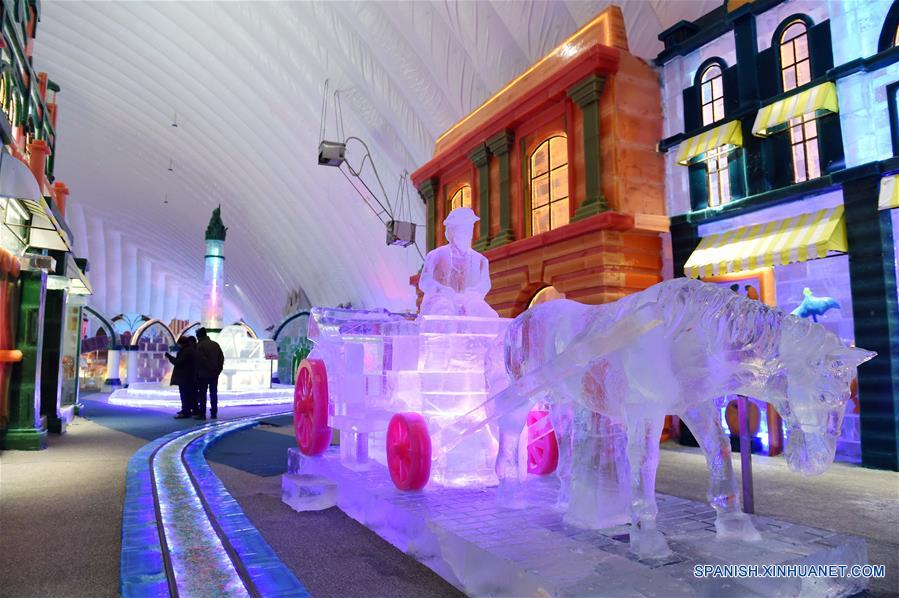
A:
(731, 322)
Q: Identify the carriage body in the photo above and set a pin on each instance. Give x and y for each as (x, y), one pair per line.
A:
(390, 383)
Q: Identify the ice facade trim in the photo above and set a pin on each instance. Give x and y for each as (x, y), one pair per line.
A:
(803, 205)
(677, 189)
(865, 115)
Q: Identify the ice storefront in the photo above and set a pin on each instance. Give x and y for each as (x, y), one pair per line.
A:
(781, 141)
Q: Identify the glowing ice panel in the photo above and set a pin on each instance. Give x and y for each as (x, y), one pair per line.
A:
(213, 280)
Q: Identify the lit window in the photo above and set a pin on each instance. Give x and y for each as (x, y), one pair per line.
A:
(461, 198)
(8, 99)
(795, 66)
(549, 185)
(719, 177)
(712, 89)
(896, 37)
(804, 145)
(796, 72)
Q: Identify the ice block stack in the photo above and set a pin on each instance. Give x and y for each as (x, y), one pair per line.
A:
(452, 383)
(379, 364)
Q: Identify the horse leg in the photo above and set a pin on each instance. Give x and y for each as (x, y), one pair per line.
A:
(562, 415)
(704, 422)
(599, 479)
(643, 433)
(511, 424)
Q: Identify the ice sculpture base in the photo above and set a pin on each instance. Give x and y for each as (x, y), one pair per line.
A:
(307, 492)
(484, 550)
(153, 395)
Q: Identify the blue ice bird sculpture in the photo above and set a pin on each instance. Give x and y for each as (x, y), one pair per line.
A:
(813, 307)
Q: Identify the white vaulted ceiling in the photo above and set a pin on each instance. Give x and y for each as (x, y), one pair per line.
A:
(245, 80)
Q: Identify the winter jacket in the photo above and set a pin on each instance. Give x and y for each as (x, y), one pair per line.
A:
(185, 370)
(211, 361)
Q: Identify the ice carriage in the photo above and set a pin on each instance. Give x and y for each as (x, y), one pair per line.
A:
(390, 383)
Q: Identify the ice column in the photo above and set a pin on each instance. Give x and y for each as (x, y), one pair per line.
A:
(214, 275)
(131, 365)
(113, 361)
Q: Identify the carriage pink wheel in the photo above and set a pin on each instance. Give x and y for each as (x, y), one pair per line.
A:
(408, 451)
(310, 408)
(543, 450)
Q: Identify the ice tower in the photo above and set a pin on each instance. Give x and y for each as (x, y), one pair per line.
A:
(214, 276)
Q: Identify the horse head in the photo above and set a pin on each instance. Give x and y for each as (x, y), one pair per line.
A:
(810, 391)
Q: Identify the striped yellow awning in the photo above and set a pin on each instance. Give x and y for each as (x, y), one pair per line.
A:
(889, 193)
(728, 134)
(820, 100)
(777, 243)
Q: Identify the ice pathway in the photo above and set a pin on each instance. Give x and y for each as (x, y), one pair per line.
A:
(182, 532)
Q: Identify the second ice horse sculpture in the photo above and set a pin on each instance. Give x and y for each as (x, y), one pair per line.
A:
(673, 349)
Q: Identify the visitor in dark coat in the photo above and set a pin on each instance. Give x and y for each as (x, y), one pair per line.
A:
(210, 364)
(184, 376)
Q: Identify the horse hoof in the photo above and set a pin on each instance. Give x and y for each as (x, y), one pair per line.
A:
(649, 544)
(736, 526)
(510, 496)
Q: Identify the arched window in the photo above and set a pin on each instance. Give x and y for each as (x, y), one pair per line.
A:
(795, 65)
(549, 185)
(710, 80)
(712, 94)
(795, 68)
(461, 198)
(889, 34)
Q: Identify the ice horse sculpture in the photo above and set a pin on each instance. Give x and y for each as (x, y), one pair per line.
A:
(612, 372)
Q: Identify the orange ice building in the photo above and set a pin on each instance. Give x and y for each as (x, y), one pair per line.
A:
(562, 168)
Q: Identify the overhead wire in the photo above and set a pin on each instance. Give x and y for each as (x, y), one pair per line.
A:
(321, 130)
(401, 209)
(374, 170)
